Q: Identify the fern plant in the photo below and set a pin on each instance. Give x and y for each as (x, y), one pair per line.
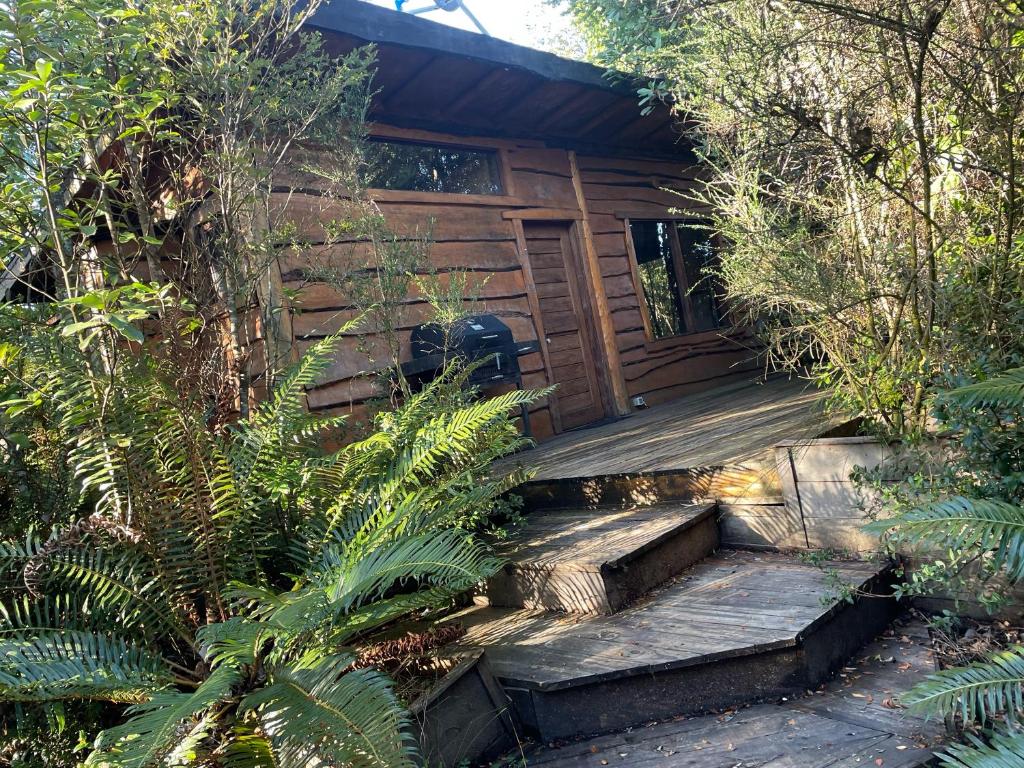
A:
(983, 526)
(172, 596)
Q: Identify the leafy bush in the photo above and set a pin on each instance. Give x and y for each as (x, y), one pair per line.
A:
(979, 530)
(865, 179)
(225, 574)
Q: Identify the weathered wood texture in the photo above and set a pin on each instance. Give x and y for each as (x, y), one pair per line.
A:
(616, 189)
(569, 330)
(817, 483)
(499, 242)
(585, 562)
(850, 722)
(465, 718)
(731, 427)
(735, 628)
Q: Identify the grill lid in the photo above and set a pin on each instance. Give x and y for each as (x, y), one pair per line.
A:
(472, 337)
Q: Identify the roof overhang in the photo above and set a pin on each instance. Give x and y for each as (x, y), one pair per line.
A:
(435, 77)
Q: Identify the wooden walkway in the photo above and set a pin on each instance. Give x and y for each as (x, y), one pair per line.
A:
(726, 425)
(855, 721)
(732, 604)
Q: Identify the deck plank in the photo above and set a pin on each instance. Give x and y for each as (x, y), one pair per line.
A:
(707, 612)
(595, 538)
(850, 722)
(728, 425)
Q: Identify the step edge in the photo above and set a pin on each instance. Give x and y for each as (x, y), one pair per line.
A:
(710, 509)
(867, 585)
(796, 640)
(648, 669)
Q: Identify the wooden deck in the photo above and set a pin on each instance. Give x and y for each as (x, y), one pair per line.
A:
(739, 627)
(728, 425)
(733, 603)
(849, 723)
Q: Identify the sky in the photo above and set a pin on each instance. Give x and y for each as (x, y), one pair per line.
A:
(533, 23)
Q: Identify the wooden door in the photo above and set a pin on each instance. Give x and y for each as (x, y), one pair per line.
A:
(566, 315)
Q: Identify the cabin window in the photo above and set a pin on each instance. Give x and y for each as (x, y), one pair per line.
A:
(675, 263)
(418, 167)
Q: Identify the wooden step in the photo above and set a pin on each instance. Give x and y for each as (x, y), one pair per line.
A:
(851, 722)
(597, 561)
(737, 628)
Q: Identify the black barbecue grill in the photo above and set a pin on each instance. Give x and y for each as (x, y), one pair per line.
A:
(482, 339)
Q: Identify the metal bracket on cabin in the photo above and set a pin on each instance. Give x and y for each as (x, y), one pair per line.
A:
(444, 5)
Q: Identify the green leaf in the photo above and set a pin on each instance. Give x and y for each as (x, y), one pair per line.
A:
(169, 724)
(72, 328)
(961, 523)
(976, 692)
(1003, 391)
(999, 749)
(125, 328)
(76, 664)
(332, 714)
(44, 69)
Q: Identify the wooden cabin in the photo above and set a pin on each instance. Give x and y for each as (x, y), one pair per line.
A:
(542, 175)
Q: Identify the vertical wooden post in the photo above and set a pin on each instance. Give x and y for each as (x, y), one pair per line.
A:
(616, 377)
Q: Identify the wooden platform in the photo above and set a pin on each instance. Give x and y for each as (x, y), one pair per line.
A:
(597, 562)
(853, 721)
(738, 627)
(732, 425)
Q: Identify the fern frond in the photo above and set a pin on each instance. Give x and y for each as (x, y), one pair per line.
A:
(963, 523)
(330, 714)
(168, 723)
(976, 692)
(1003, 391)
(998, 750)
(371, 616)
(58, 612)
(442, 558)
(80, 665)
(236, 641)
(122, 584)
(248, 749)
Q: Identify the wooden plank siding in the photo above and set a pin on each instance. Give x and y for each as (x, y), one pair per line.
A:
(485, 236)
(618, 189)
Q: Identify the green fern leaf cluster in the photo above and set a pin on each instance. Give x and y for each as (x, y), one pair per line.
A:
(977, 692)
(990, 531)
(998, 750)
(224, 576)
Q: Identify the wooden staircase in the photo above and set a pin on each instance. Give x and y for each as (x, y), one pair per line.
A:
(580, 562)
(608, 617)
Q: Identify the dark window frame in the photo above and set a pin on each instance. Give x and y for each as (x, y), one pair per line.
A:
(494, 153)
(686, 294)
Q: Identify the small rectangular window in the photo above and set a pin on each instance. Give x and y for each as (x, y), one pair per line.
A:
(675, 266)
(653, 246)
(421, 167)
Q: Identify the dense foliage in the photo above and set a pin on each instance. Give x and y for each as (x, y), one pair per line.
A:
(188, 559)
(155, 140)
(864, 166)
(222, 575)
(964, 517)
